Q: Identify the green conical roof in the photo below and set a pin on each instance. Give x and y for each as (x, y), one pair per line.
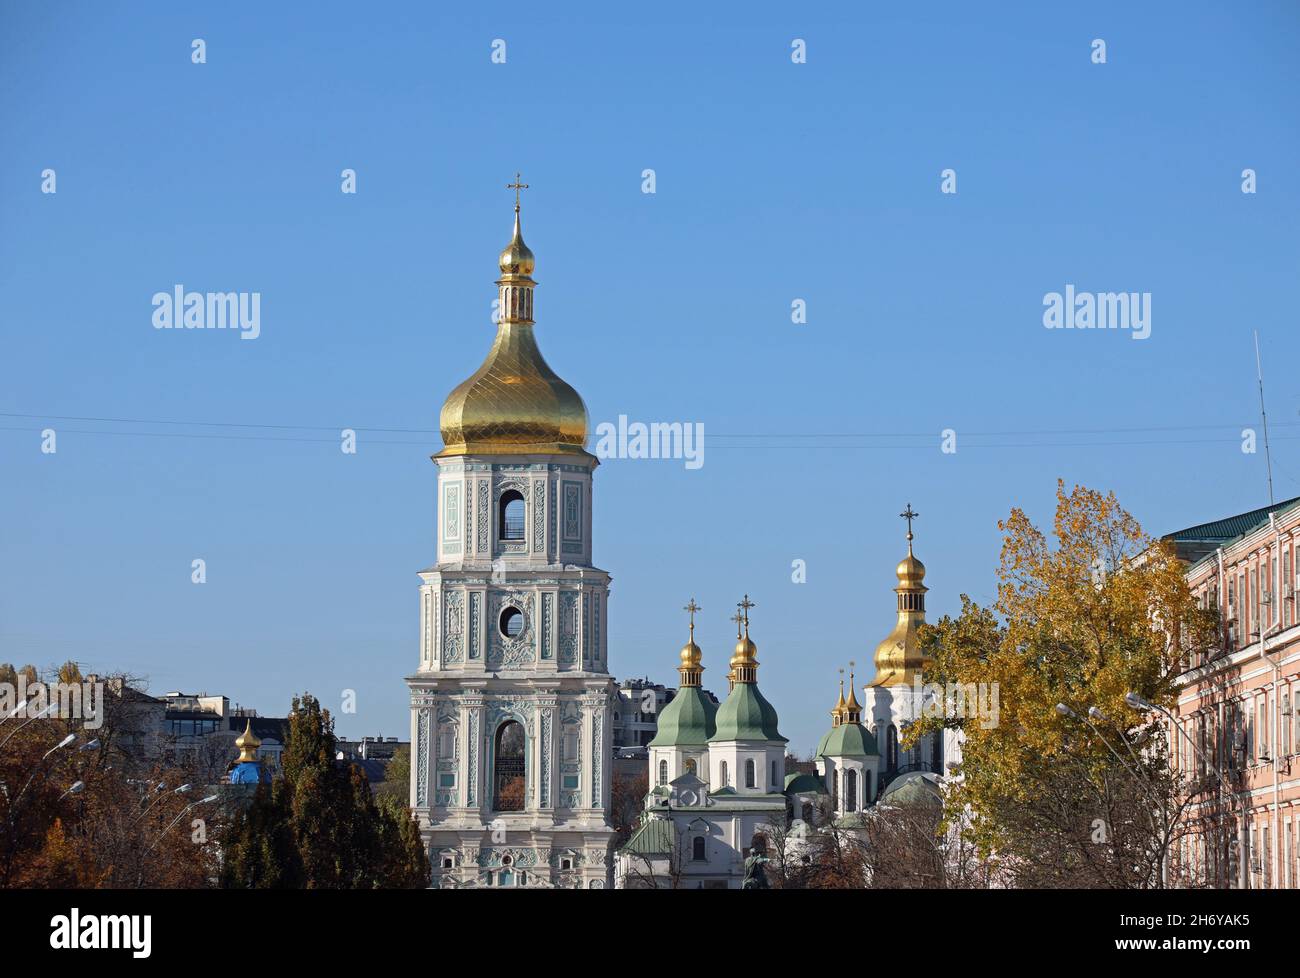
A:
(746, 715)
(847, 740)
(687, 721)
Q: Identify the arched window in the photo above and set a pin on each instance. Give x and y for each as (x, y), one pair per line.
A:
(697, 847)
(723, 777)
(850, 791)
(891, 748)
(749, 773)
(508, 768)
(690, 765)
(835, 789)
(805, 811)
(511, 516)
(663, 772)
(776, 782)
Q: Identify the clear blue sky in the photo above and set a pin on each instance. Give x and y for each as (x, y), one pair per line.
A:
(775, 181)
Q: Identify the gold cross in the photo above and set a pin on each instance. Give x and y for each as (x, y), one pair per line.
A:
(737, 618)
(516, 187)
(908, 515)
(745, 606)
(692, 607)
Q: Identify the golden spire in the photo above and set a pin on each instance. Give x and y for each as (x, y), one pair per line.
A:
(899, 658)
(691, 658)
(744, 661)
(852, 709)
(514, 404)
(248, 743)
(837, 714)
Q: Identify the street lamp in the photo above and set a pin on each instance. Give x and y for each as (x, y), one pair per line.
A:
(1142, 705)
(76, 788)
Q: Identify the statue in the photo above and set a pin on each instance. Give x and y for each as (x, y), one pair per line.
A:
(755, 874)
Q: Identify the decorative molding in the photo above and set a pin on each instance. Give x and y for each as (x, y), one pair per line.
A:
(475, 613)
(453, 645)
(568, 627)
(548, 614)
(422, 758)
(481, 516)
(539, 516)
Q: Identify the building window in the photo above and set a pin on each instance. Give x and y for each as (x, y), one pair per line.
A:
(690, 765)
(697, 849)
(835, 789)
(508, 768)
(511, 516)
(723, 774)
(663, 772)
(512, 622)
(749, 773)
(851, 791)
(447, 862)
(776, 783)
(891, 749)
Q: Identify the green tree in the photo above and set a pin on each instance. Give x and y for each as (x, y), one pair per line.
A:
(318, 827)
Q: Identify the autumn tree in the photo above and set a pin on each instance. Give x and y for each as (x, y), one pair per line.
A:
(318, 826)
(1064, 798)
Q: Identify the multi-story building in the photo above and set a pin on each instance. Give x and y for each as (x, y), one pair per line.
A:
(199, 732)
(636, 711)
(1239, 731)
(510, 706)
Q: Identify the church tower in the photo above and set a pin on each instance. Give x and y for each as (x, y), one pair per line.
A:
(510, 708)
(896, 695)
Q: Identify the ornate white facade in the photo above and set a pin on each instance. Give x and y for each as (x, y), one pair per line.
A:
(512, 630)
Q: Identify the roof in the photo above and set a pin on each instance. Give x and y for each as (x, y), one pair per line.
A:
(913, 788)
(848, 740)
(653, 838)
(802, 784)
(746, 715)
(687, 721)
(1195, 542)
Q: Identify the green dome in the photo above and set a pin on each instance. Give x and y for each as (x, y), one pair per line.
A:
(848, 740)
(913, 788)
(746, 715)
(687, 721)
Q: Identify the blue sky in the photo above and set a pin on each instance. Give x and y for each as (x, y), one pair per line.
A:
(775, 181)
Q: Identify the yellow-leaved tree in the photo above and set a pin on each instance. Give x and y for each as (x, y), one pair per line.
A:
(1055, 796)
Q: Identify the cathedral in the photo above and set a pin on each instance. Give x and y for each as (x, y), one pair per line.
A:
(511, 758)
(510, 706)
(719, 789)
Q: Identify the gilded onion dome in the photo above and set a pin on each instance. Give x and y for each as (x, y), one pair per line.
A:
(899, 658)
(691, 659)
(514, 403)
(247, 743)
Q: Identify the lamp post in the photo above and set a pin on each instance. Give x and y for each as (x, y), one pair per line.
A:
(1142, 780)
(1138, 703)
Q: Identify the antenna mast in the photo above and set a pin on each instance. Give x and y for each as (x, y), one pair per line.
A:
(1268, 458)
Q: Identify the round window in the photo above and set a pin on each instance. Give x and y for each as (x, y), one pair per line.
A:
(512, 622)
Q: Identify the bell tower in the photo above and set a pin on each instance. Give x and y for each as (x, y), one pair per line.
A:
(510, 706)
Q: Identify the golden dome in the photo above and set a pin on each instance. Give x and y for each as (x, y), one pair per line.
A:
(247, 743)
(910, 571)
(746, 653)
(514, 403)
(691, 655)
(517, 258)
(900, 658)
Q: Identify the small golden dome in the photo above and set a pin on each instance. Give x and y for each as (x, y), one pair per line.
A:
(517, 258)
(247, 743)
(691, 655)
(746, 653)
(910, 571)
